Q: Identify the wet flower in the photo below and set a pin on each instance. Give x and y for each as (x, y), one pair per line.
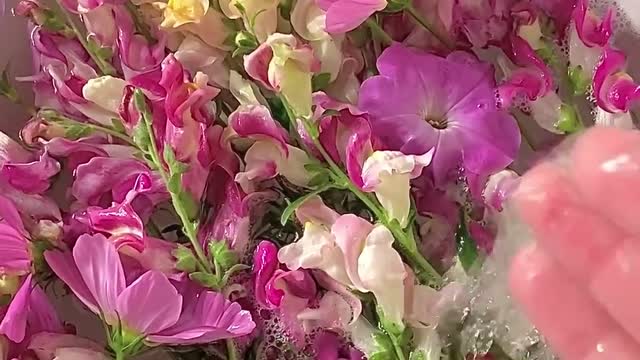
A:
(421, 101)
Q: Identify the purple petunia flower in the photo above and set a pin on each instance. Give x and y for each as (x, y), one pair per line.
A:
(421, 101)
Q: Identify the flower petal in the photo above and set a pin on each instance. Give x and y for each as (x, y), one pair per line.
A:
(591, 30)
(346, 15)
(615, 90)
(255, 121)
(62, 264)
(207, 317)
(333, 312)
(350, 233)
(314, 210)
(101, 270)
(265, 263)
(162, 304)
(14, 322)
(382, 272)
(316, 250)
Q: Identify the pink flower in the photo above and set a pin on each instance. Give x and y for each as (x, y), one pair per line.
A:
(273, 282)
(29, 312)
(126, 230)
(270, 155)
(355, 253)
(421, 101)
(532, 78)
(591, 30)
(23, 170)
(615, 90)
(346, 15)
(94, 272)
(15, 256)
(328, 346)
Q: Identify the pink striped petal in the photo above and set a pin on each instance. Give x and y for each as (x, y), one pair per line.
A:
(101, 270)
(207, 317)
(162, 304)
(62, 264)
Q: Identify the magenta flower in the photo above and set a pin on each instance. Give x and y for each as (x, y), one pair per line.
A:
(273, 281)
(421, 101)
(328, 346)
(346, 15)
(615, 90)
(94, 272)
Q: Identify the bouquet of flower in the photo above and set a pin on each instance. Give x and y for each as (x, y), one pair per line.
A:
(293, 179)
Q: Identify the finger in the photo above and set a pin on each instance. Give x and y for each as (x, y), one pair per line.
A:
(594, 251)
(574, 324)
(606, 169)
(573, 235)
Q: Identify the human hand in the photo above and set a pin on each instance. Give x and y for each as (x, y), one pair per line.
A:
(580, 282)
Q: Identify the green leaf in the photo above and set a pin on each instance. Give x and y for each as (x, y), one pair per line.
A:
(186, 261)
(467, 249)
(384, 347)
(6, 88)
(246, 40)
(117, 125)
(141, 136)
(418, 355)
(568, 120)
(320, 81)
(578, 80)
(205, 279)
(191, 206)
(279, 112)
(175, 183)
(222, 255)
(76, 131)
(51, 21)
(288, 211)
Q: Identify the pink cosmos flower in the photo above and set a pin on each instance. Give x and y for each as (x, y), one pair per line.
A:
(94, 272)
(346, 15)
(421, 101)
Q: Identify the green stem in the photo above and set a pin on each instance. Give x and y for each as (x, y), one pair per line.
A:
(397, 348)
(425, 24)
(105, 67)
(378, 32)
(232, 353)
(64, 119)
(181, 211)
(120, 355)
(406, 241)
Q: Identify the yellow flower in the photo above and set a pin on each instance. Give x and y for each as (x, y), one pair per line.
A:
(180, 12)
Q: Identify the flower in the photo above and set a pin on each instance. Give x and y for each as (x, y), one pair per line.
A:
(421, 101)
(355, 253)
(388, 173)
(327, 346)
(273, 283)
(285, 65)
(270, 155)
(95, 274)
(180, 12)
(260, 17)
(346, 15)
(615, 90)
